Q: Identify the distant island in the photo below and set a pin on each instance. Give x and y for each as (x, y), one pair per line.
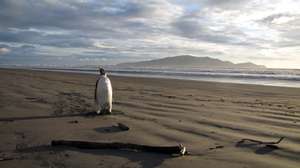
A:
(189, 62)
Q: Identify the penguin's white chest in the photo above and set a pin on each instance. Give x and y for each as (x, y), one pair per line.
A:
(104, 94)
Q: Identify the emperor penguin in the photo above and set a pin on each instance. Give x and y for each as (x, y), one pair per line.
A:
(103, 93)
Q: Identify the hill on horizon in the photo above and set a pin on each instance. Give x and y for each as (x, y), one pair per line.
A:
(188, 61)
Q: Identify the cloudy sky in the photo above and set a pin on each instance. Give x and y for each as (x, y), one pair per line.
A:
(80, 32)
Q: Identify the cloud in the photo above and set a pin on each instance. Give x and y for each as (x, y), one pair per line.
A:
(280, 18)
(228, 4)
(287, 25)
(4, 51)
(17, 51)
(201, 28)
(102, 15)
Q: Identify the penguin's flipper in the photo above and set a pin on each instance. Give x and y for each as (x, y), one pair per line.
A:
(96, 87)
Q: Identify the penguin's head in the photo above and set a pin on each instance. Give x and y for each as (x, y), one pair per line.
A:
(102, 71)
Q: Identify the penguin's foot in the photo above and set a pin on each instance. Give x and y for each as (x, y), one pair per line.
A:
(105, 112)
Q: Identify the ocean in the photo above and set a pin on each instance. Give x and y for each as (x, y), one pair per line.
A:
(271, 77)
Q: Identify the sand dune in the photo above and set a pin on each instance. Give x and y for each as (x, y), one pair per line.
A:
(208, 118)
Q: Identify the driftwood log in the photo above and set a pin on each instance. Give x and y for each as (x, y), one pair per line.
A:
(172, 150)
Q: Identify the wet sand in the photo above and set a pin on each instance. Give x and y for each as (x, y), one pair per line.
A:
(208, 118)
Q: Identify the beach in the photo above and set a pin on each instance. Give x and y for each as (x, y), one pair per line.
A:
(209, 118)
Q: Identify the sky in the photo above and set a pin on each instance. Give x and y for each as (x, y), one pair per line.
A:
(101, 32)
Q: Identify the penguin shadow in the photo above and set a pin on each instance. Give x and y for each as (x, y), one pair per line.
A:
(89, 114)
(12, 119)
(260, 149)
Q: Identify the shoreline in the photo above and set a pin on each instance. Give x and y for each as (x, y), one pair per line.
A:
(148, 77)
